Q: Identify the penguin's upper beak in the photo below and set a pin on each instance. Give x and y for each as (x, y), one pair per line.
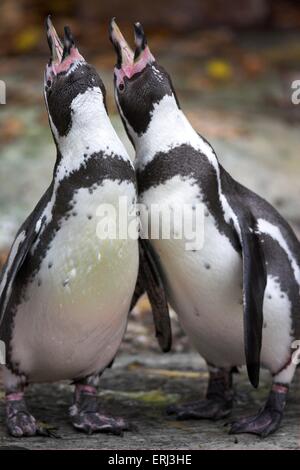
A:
(63, 55)
(125, 55)
(128, 62)
(55, 45)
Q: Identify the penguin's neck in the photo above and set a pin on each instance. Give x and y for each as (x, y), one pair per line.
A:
(91, 135)
(168, 128)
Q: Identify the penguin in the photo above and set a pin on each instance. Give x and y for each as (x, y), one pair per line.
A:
(65, 292)
(237, 295)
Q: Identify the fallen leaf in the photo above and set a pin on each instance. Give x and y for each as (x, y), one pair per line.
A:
(219, 69)
(156, 396)
(27, 39)
(169, 373)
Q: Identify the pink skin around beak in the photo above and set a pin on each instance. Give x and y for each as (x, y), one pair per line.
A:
(129, 64)
(62, 55)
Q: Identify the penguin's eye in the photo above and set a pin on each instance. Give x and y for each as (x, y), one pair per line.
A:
(121, 87)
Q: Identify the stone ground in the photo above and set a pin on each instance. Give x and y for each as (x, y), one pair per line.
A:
(139, 387)
(249, 119)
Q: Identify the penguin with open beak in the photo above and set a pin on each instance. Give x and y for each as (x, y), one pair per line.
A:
(237, 295)
(66, 290)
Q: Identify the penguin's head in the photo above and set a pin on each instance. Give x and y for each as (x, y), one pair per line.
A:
(72, 87)
(139, 81)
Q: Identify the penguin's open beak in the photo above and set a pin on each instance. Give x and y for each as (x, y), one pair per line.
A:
(63, 55)
(55, 45)
(129, 63)
(125, 55)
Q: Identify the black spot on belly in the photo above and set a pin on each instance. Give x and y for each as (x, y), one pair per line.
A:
(74, 214)
(39, 282)
(269, 297)
(207, 266)
(89, 216)
(265, 325)
(50, 265)
(66, 282)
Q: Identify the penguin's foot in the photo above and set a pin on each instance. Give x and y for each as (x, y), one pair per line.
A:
(18, 419)
(218, 403)
(203, 409)
(269, 417)
(86, 416)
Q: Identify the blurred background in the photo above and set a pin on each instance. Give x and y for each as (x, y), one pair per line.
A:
(232, 64)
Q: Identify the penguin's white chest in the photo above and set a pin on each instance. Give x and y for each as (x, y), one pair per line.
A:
(204, 286)
(76, 310)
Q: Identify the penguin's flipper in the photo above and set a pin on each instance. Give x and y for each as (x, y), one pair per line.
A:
(149, 280)
(24, 240)
(254, 284)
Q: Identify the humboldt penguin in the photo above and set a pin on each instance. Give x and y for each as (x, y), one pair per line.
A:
(66, 289)
(236, 295)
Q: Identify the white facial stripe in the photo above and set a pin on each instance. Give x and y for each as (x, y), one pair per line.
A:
(274, 232)
(91, 132)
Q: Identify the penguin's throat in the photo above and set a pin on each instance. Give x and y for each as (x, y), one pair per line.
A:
(165, 120)
(89, 126)
(128, 70)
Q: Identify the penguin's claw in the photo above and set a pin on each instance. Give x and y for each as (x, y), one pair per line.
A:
(19, 421)
(203, 409)
(264, 423)
(90, 422)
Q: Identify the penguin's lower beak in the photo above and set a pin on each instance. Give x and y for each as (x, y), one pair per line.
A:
(125, 55)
